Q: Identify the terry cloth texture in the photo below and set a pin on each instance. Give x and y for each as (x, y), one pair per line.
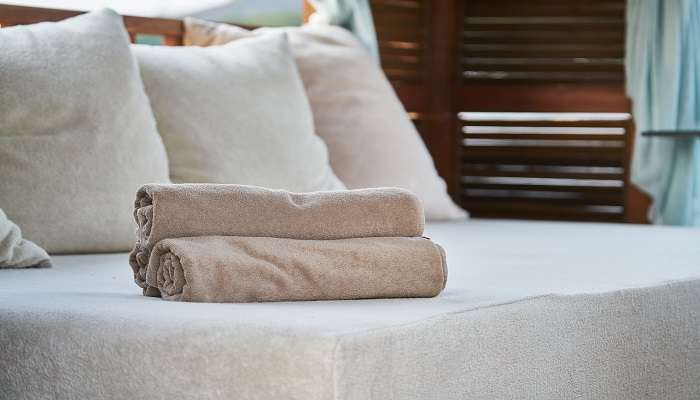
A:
(236, 114)
(77, 135)
(545, 311)
(221, 269)
(16, 252)
(355, 111)
(182, 210)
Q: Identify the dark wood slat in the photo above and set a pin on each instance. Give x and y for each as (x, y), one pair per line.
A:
(554, 37)
(528, 155)
(581, 76)
(536, 3)
(544, 196)
(537, 51)
(559, 48)
(401, 46)
(573, 123)
(406, 62)
(552, 9)
(602, 190)
(396, 4)
(469, 170)
(578, 199)
(544, 136)
(401, 32)
(616, 27)
(503, 96)
(531, 65)
(515, 209)
(393, 17)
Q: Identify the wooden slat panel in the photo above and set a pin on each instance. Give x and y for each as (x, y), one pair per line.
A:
(590, 35)
(401, 34)
(544, 165)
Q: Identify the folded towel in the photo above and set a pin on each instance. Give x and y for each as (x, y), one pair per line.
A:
(171, 211)
(16, 252)
(247, 269)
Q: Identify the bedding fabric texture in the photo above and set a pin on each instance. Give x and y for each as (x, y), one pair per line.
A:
(236, 114)
(531, 310)
(77, 135)
(171, 211)
(16, 252)
(236, 269)
(371, 141)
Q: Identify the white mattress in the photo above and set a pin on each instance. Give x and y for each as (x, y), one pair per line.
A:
(531, 310)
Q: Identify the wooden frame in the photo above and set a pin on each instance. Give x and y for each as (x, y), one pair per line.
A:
(434, 91)
(171, 30)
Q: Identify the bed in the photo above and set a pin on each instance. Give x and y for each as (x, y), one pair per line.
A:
(539, 310)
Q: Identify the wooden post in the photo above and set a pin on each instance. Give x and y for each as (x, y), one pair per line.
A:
(442, 79)
(307, 10)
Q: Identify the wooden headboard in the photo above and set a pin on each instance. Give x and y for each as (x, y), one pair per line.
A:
(171, 30)
(429, 51)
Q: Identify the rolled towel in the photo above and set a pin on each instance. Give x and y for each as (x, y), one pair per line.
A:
(251, 269)
(171, 211)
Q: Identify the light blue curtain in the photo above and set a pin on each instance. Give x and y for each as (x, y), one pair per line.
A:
(663, 80)
(353, 15)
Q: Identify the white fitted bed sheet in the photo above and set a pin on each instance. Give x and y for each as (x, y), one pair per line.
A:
(531, 310)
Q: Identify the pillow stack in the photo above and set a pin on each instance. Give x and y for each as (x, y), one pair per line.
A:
(86, 119)
(370, 139)
(233, 243)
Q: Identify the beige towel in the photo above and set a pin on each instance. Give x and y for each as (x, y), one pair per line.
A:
(247, 269)
(171, 211)
(17, 252)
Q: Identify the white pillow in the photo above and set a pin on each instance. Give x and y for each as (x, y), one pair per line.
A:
(236, 114)
(371, 141)
(77, 136)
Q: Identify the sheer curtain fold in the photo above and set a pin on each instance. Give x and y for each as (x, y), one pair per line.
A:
(353, 15)
(663, 80)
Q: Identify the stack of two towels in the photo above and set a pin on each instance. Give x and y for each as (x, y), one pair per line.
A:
(233, 243)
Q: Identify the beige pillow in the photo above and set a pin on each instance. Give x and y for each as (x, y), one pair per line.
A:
(77, 136)
(370, 139)
(236, 114)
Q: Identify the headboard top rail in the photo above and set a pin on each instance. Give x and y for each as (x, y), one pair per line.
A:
(171, 30)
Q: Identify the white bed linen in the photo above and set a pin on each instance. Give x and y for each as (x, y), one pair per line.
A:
(531, 310)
